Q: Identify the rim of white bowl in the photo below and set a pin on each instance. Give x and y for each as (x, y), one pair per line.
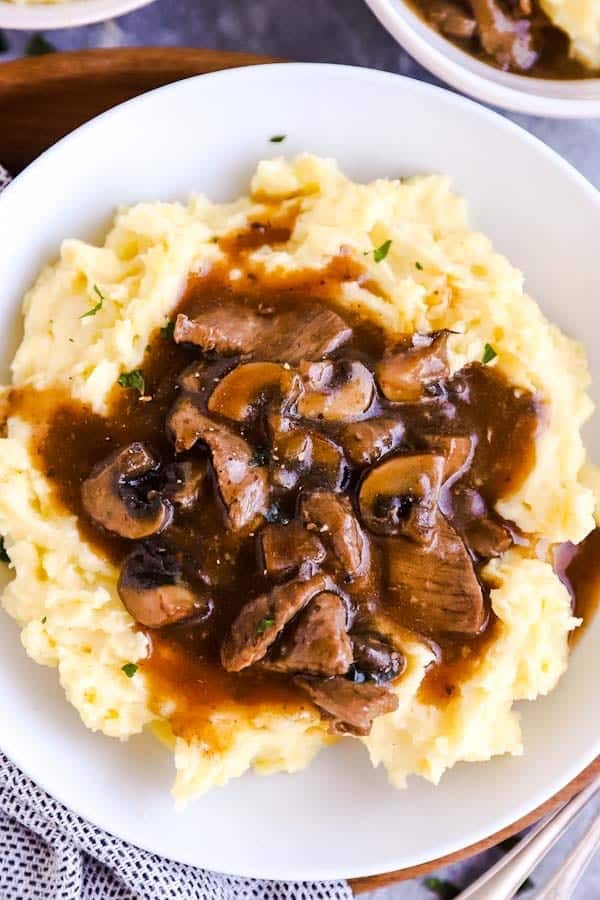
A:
(66, 14)
(518, 93)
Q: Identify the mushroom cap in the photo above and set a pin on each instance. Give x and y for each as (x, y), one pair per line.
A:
(340, 391)
(404, 374)
(115, 496)
(153, 591)
(239, 392)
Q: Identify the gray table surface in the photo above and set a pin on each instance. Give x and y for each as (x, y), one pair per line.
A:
(342, 31)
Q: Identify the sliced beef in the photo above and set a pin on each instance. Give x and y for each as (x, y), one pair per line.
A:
(407, 374)
(351, 707)
(367, 442)
(332, 515)
(375, 659)
(183, 482)
(435, 587)
(317, 643)
(340, 391)
(153, 590)
(285, 548)
(261, 620)
(510, 41)
(225, 327)
(482, 529)
(243, 486)
(306, 334)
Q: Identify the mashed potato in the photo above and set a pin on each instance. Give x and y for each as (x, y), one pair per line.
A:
(580, 19)
(63, 593)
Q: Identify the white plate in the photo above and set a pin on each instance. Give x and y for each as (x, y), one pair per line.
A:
(536, 96)
(46, 16)
(338, 818)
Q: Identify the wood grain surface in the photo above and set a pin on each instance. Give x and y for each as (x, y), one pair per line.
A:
(44, 98)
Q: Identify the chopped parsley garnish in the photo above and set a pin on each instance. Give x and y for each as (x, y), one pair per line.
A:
(277, 138)
(133, 379)
(98, 306)
(260, 457)
(488, 354)
(168, 329)
(44, 620)
(4, 557)
(445, 890)
(382, 251)
(129, 669)
(38, 45)
(264, 624)
(4, 45)
(418, 266)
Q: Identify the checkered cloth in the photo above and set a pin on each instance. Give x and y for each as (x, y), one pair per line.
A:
(49, 853)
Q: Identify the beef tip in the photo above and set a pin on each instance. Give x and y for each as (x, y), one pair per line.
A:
(240, 393)
(375, 660)
(285, 548)
(406, 374)
(200, 377)
(487, 538)
(226, 327)
(183, 481)
(350, 706)
(400, 495)
(242, 485)
(332, 515)
(451, 19)
(307, 458)
(317, 642)
(457, 451)
(119, 494)
(340, 391)
(261, 620)
(436, 588)
(367, 442)
(307, 334)
(510, 41)
(154, 591)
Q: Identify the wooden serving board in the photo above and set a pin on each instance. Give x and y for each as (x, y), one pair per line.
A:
(44, 98)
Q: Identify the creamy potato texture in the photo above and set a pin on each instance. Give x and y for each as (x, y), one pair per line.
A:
(580, 19)
(63, 593)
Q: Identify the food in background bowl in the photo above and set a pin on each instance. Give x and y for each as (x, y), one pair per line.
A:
(545, 39)
(296, 468)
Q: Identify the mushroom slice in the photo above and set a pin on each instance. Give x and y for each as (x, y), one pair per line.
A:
(153, 591)
(457, 450)
(243, 486)
(375, 660)
(261, 620)
(117, 494)
(367, 442)
(183, 482)
(227, 327)
(317, 642)
(436, 588)
(307, 457)
(239, 393)
(340, 391)
(332, 515)
(404, 375)
(350, 706)
(400, 495)
(285, 548)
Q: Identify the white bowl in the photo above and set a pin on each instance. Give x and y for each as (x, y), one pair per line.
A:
(44, 16)
(339, 817)
(537, 96)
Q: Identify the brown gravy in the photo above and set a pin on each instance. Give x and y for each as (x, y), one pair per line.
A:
(69, 439)
(553, 62)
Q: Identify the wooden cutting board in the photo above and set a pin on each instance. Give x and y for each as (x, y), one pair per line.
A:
(42, 99)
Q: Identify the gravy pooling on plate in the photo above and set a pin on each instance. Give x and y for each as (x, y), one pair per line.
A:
(286, 490)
